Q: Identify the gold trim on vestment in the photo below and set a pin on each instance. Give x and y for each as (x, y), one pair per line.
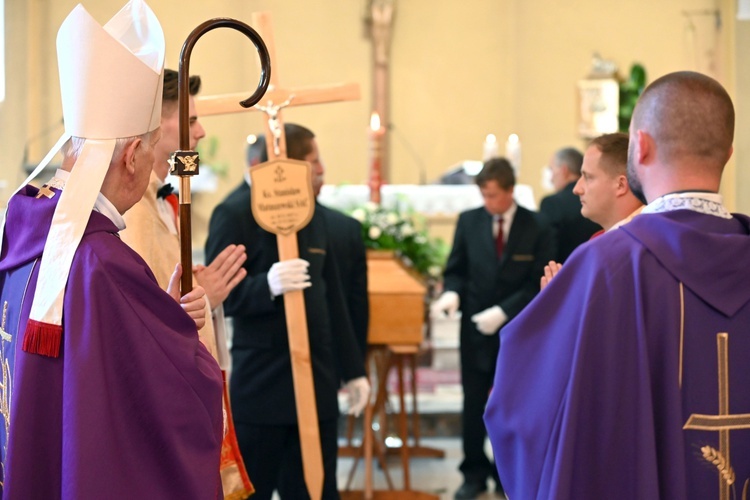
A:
(682, 328)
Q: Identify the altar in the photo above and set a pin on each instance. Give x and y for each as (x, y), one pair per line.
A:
(439, 204)
(430, 200)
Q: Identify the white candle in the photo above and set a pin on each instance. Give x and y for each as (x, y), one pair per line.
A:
(490, 147)
(513, 152)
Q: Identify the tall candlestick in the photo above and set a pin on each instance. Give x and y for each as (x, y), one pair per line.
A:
(376, 138)
(490, 147)
(513, 152)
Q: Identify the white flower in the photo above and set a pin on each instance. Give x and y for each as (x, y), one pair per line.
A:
(407, 230)
(371, 206)
(434, 271)
(374, 232)
(391, 218)
(420, 240)
(359, 214)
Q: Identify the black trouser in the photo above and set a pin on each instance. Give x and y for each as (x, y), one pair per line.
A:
(476, 382)
(273, 459)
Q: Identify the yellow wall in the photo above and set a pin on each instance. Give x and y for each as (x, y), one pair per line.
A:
(460, 70)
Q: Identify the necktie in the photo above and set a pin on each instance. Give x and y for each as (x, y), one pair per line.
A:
(499, 244)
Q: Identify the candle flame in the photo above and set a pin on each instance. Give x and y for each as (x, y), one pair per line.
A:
(375, 121)
(490, 138)
(513, 138)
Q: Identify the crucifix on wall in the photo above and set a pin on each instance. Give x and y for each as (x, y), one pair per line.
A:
(379, 23)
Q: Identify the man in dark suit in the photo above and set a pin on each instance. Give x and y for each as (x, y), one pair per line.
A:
(563, 209)
(499, 252)
(261, 387)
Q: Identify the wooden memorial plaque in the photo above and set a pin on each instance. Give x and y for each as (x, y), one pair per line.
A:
(281, 194)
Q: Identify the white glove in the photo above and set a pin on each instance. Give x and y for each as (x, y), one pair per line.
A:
(490, 320)
(359, 395)
(448, 303)
(288, 275)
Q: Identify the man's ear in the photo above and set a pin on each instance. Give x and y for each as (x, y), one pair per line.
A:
(129, 155)
(622, 188)
(646, 147)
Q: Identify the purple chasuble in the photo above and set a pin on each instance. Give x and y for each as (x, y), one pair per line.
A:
(132, 407)
(596, 380)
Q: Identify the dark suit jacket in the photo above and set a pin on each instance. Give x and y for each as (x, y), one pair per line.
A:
(562, 211)
(261, 385)
(482, 280)
(348, 247)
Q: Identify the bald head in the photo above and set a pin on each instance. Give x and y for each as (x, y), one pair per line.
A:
(689, 116)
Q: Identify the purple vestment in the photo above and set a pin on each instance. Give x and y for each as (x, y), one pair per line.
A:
(132, 407)
(587, 401)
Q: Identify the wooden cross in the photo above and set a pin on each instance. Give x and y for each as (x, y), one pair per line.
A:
(228, 103)
(294, 303)
(722, 423)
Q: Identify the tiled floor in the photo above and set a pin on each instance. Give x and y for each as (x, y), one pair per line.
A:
(439, 476)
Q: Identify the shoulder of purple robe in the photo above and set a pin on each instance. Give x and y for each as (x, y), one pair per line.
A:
(142, 396)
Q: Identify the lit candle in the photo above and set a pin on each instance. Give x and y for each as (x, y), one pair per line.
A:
(490, 147)
(513, 152)
(376, 136)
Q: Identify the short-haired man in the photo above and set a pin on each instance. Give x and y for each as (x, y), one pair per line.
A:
(563, 208)
(606, 197)
(107, 392)
(152, 232)
(603, 187)
(632, 381)
(261, 387)
(499, 252)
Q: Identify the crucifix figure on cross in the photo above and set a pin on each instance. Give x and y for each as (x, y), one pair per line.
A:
(274, 122)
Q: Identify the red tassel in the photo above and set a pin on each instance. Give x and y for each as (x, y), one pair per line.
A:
(44, 339)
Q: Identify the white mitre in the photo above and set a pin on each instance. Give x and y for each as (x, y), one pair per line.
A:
(111, 85)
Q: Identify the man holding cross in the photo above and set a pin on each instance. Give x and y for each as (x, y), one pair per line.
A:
(622, 389)
(261, 387)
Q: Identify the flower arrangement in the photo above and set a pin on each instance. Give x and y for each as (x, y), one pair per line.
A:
(402, 232)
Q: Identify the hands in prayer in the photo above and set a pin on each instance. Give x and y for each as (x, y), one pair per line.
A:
(550, 270)
(193, 302)
(223, 274)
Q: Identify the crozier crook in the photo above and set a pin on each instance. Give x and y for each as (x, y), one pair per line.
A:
(184, 161)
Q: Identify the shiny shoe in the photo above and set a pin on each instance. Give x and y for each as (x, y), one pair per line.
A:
(470, 490)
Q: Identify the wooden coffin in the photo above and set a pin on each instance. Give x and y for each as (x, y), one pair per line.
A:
(397, 304)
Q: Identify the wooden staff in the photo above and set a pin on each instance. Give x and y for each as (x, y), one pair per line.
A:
(185, 162)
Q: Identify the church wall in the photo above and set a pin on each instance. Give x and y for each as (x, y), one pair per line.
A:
(459, 70)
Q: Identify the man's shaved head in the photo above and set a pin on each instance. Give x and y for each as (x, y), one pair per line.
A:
(688, 115)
